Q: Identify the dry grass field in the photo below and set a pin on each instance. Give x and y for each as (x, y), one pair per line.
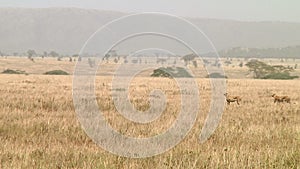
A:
(39, 127)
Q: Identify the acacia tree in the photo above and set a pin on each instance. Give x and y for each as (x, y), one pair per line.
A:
(31, 53)
(262, 70)
(195, 63)
(188, 58)
(45, 54)
(53, 54)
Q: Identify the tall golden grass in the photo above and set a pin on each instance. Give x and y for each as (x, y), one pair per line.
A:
(39, 127)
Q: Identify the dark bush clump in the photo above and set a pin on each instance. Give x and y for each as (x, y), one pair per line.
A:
(216, 75)
(56, 72)
(171, 72)
(10, 71)
(282, 76)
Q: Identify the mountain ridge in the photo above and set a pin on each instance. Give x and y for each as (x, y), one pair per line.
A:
(65, 30)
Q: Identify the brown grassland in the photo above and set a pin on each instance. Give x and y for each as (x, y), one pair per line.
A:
(39, 127)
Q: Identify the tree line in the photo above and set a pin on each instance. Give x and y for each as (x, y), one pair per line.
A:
(241, 52)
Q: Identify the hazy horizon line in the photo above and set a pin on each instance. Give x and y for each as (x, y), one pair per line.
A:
(127, 12)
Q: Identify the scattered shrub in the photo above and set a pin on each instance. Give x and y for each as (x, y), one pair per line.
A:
(10, 71)
(283, 76)
(216, 75)
(160, 73)
(56, 72)
(171, 72)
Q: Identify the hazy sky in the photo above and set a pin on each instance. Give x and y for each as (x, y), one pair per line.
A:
(246, 10)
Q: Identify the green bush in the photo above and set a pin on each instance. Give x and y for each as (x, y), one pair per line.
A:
(10, 71)
(171, 72)
(283, 76)
(216, 75)
(160, 73)
(56, 72)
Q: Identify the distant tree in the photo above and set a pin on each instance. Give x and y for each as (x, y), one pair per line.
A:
(161, 60)
(188, 58)
(53, 54)
(241, 64)
(227, 62)
(91, 62)
(195, 63)
(70, 59)
(206, 62)
(31, 53)
(216, 63)
(45, 54)
(296, 65)
(260, 69)
(116, 60)
(112, 53)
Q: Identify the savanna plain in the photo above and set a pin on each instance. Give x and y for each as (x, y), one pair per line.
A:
(39, 127)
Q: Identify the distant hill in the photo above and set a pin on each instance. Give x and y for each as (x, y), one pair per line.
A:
(60, 29)
(65, 30)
